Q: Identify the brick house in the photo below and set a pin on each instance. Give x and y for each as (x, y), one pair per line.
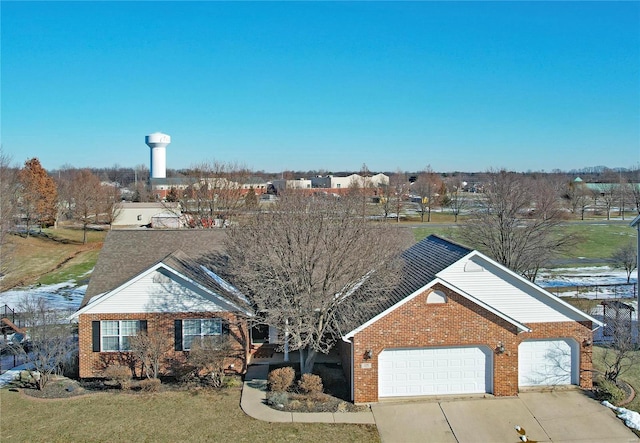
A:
(460, 323)
(148, 280)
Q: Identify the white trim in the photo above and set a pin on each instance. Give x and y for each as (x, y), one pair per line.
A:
(438, 279)
(534, 287)
(207, 293)
(422, 290)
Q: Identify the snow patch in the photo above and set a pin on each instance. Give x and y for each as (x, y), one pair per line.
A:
(630, 418)
(63, 296)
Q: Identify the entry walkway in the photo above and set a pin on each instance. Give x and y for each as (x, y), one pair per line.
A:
(254, 397)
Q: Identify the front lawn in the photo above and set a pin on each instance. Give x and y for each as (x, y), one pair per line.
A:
(199, 415)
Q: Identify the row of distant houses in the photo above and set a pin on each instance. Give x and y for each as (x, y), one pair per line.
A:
(162, 186)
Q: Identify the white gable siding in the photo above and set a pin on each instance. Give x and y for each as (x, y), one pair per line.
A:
(506, 293)
(158, 291)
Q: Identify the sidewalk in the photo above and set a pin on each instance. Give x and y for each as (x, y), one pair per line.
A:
(253, 403)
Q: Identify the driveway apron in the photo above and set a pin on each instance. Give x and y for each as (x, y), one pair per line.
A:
(562, 416)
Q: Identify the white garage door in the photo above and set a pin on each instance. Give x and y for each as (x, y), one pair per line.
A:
(548, 362)
(434, 371)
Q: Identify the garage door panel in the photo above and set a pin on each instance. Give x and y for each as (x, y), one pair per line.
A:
(434, 371)
(548, 362)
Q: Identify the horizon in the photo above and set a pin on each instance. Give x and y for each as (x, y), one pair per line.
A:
(287, 86)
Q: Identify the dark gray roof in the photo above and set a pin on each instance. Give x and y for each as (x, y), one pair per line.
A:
(421, 263)
(127, 253)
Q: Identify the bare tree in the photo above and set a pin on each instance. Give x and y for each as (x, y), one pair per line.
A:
(150, 348)
(456, 199)
(85, 196)
(215, 191)
(309, 265)
(626, 258)
(609, 192)
(620, 355)
(49, 343)
(109, 198)
(516, 223)
(578, 197)
(8, 205)
(426, 187)
(208, 357)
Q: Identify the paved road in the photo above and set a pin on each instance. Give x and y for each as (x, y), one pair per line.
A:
(564, 416)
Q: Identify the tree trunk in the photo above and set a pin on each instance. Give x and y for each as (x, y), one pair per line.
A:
(306, 364)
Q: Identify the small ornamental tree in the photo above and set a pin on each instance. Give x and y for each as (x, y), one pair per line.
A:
(48, 342)
(626, 258)
(149, 347)
(209, 355)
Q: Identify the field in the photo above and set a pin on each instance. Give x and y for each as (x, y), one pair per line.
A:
(58, 255)
(596, 241)
(196, 416)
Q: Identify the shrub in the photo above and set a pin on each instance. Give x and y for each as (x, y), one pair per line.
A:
(120, 374)
(609, 391)
(310, 383)
(149, 385)
(281, 379)
(278, 399)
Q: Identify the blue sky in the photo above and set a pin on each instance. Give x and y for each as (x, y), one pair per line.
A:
(312, 85)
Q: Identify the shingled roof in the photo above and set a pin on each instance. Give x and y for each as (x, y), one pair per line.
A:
(127, 253)
(421, 263)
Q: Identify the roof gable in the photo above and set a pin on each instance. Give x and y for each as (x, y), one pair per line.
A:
(127, 253)
(162, 289)
(475, 277)
(509, 292)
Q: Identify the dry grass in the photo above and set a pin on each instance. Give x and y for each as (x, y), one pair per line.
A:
(160, 417)
(54, 257)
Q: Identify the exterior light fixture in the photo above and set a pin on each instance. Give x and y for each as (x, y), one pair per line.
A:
(500, 348)
(368, 354)
(587, 342)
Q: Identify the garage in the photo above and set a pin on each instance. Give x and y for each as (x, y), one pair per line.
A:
(434, 371)
(548, 362)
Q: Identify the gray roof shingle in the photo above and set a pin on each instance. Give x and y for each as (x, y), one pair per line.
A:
(421, 263)
(127, 253)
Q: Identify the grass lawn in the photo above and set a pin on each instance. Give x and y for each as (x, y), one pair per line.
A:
(161, 417)
(598, 240)
(595, 240)
(54, 257)
(631, 376)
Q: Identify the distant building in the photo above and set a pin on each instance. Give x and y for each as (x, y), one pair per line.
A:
(153, 215)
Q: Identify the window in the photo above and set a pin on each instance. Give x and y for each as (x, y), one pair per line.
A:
(115, 334)
(198, 328)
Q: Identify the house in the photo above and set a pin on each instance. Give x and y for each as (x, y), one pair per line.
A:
(158, 280)
(457, 322)
(460, 323)
(157, 215)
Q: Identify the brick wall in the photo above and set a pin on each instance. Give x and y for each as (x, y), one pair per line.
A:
(93, 363)
(459, 322)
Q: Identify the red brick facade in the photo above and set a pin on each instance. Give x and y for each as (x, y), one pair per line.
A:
(458, 322)
(93, 363)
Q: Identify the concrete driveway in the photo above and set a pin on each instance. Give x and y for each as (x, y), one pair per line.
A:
(563, 416)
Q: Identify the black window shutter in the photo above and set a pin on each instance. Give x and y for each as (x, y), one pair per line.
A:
(95, 335)
(143, 325)
(225, 326)
(177, 332)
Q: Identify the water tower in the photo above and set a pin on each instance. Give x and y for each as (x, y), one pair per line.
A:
(158, 143)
